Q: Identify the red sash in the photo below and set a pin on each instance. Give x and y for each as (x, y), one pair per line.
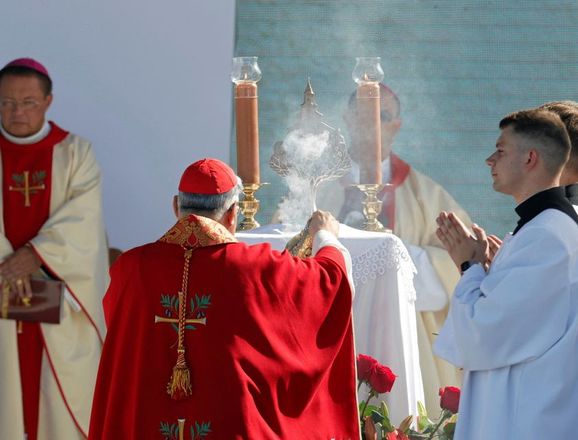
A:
(399, 172)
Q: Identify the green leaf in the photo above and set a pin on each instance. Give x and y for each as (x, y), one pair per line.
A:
(38, 176)
(449, 429)
(205, 429)
(369, 409)
(377, 417)
(423, 420)
(204, 301)
(387, 425)
(429, 429)
(202, 430)
(165, 430)
(421, 409)
(384, 409)
(168, 431)
(166, 301)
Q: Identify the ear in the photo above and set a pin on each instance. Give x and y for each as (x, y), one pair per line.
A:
(532, 158)
(396, 123)
(232, 214)
(230, 218)
(176, 205)
(48, 101)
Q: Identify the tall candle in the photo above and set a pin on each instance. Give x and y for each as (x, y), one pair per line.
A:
(247, 119)
(369, 132)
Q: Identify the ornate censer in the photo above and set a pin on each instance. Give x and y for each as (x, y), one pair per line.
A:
(312, 152)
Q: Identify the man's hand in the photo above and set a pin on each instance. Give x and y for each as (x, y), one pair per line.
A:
(459, 242)
(494, 243)
(323, 220)
(16, 269)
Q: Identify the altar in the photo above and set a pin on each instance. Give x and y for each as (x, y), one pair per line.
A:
(383, 307)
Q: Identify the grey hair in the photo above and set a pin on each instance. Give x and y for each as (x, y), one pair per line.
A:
(209, 205)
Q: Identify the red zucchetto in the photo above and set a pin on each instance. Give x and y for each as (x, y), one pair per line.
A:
(208, 176)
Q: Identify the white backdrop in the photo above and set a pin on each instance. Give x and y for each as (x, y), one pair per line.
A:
(146, 81)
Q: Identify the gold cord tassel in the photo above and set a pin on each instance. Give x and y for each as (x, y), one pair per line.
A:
(179, 387)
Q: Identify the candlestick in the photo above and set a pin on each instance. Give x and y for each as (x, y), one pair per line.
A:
(372, 207)
(367, 74)
(249, 207)
(245, 75)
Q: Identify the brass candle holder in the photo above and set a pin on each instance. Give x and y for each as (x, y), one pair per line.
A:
(249, 207)
(372, 206)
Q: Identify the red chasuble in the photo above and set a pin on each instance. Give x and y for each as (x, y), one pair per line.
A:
(26, 181)
(268, 342)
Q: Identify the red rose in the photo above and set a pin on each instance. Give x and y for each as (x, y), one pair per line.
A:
(365, 366)
(396, 435)
(450, 398)
(382, 379)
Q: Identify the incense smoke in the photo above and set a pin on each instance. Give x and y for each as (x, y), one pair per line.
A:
(305, 152)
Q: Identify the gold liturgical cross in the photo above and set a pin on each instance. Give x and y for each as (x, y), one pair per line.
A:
(26, 189)
(162, 319)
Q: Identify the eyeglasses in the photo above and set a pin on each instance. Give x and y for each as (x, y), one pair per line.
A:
(26, 105)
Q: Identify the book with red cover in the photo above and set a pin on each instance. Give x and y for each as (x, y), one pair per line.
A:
(44, 306)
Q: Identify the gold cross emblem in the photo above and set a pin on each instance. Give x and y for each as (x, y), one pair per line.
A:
(162, 319)
(26, 188)
(171, 305)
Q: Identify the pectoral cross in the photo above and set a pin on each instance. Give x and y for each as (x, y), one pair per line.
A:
(27, 189)
(162, 319)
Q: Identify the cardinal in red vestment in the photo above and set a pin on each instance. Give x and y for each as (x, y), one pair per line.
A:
(212, 338)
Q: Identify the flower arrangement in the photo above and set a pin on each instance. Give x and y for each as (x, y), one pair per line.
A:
(375, 422)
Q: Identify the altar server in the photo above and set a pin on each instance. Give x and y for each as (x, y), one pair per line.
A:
(513, 325)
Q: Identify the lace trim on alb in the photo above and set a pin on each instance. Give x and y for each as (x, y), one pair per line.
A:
(389, 255)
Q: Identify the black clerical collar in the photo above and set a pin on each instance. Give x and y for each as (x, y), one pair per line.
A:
(553, 198)
(572, 193)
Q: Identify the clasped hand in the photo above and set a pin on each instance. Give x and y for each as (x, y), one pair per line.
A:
(462, 245)
(16, 269)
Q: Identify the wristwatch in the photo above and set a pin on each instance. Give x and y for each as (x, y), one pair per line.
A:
(466, 265)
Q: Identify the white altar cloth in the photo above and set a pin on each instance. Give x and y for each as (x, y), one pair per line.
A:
(383, 307)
